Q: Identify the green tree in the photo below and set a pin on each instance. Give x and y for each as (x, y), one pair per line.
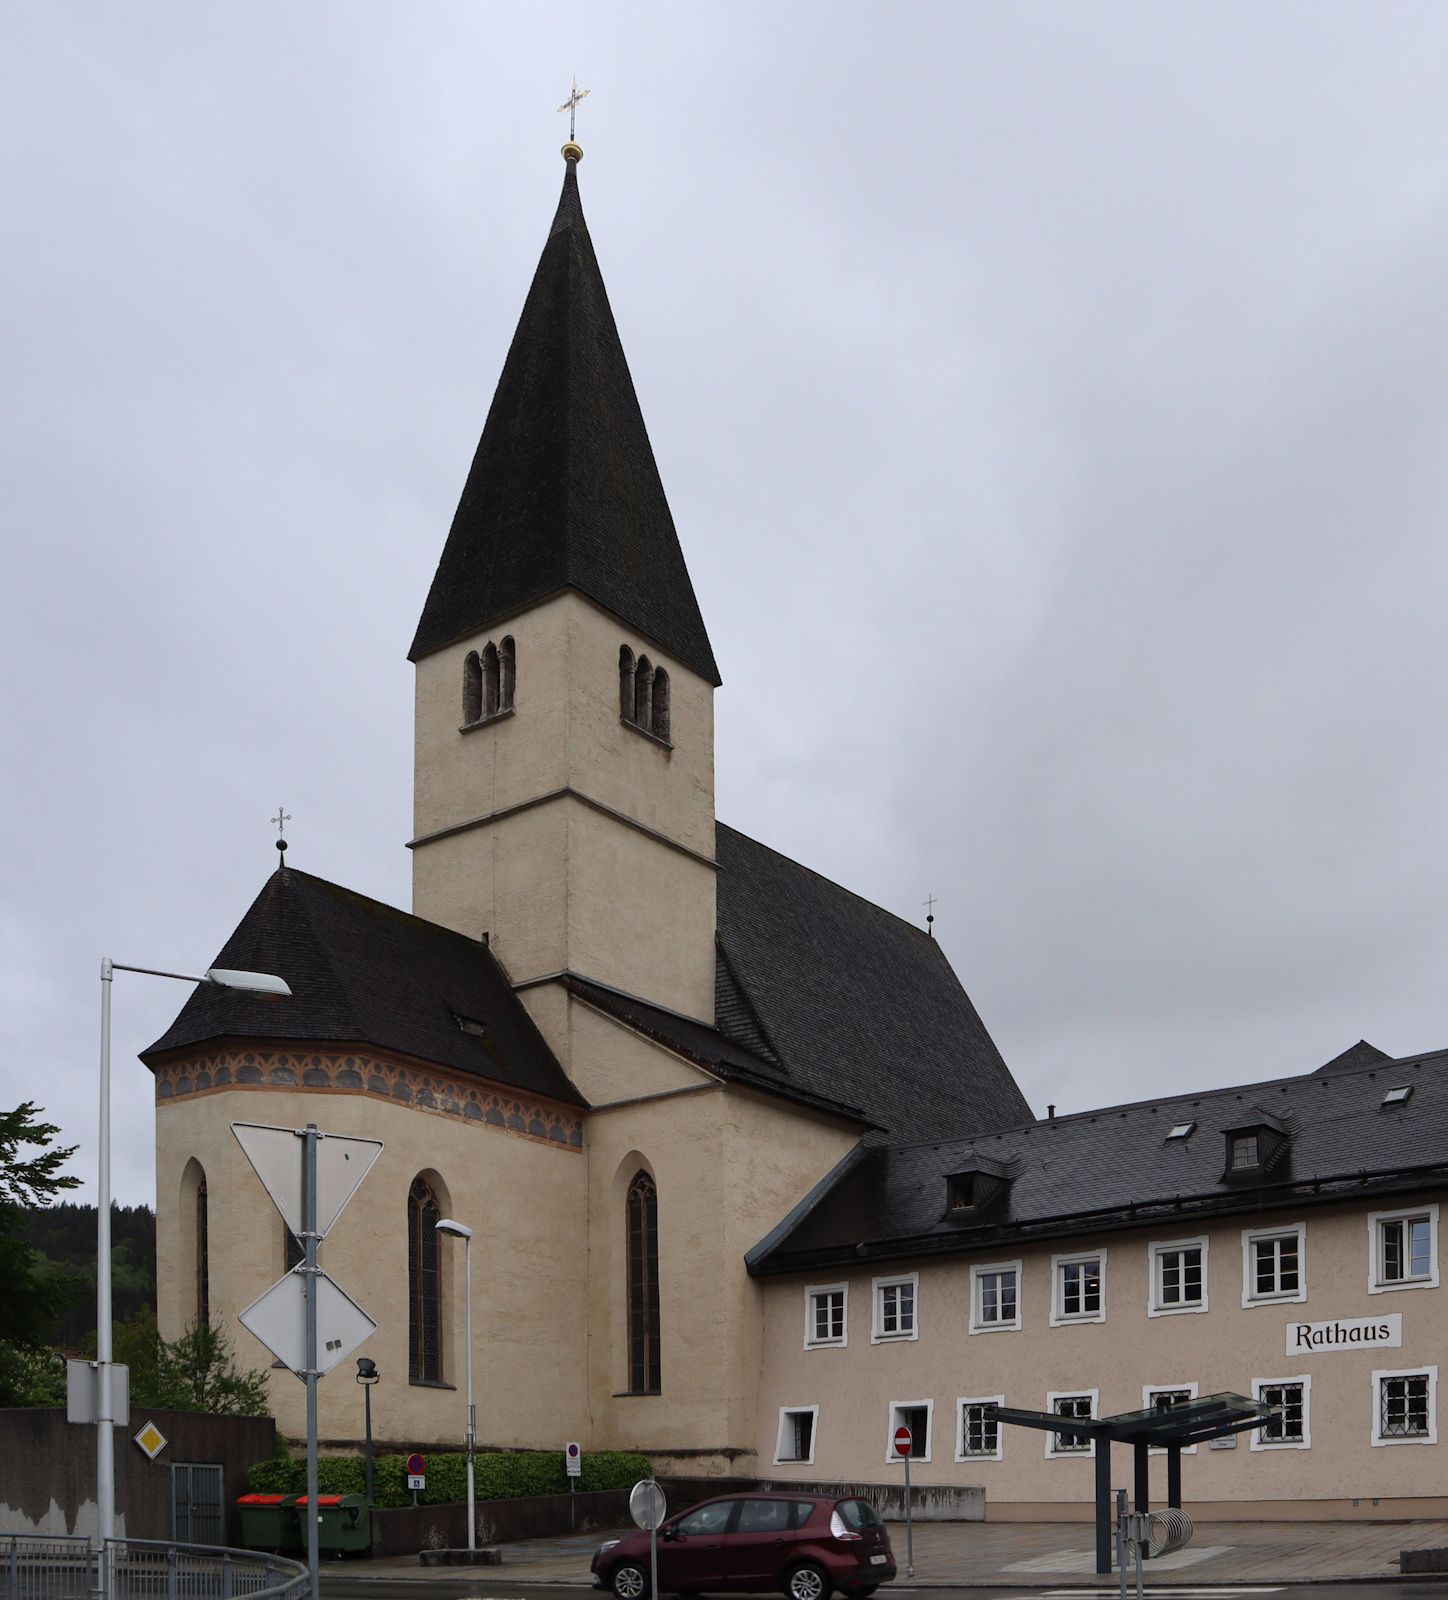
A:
(196, 1372)
(32, 1301)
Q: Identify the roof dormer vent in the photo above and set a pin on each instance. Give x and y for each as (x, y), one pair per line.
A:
(974, 1189)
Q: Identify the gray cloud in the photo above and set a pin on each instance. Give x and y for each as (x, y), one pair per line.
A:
(1051, 402)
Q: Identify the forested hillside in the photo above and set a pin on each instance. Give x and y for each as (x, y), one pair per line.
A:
(65, 1237)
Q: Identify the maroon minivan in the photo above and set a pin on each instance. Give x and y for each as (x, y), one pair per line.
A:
(801, 1544)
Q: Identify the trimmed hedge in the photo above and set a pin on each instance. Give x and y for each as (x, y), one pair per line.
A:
(498, 1475)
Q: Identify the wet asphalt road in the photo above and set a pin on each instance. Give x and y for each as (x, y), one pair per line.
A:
(484, 1585)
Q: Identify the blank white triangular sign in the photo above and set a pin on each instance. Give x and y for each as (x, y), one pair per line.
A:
(279, 1319)
(276, 1156)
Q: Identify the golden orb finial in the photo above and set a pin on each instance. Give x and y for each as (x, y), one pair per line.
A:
(572, 151)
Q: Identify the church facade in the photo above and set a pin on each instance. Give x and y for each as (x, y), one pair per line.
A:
(749, 1182)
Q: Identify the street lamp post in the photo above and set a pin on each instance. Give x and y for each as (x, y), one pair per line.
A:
(459, 1231)
(257, 983)
(367, 1375)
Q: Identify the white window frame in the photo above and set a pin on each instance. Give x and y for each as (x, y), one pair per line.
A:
(1060, 1318)
(1250, 1237)
(1052, 1396)
(785, 1412)
(811, 1290)
(1305, 1442)
(1154, 1252)
(977, 1271)
(961, 1453)
(1375, 1221)
(1431, 1373)
(877, 1301)
(1148, 1390)
(896, 1421)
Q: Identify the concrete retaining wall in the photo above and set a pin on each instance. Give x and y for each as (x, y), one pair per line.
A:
(405, 1530)
(929, 1503)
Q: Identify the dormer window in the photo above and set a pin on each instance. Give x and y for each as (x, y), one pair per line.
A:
(1255, 1144)
(960, 1191)
(1242, 1151)
(974, 1189)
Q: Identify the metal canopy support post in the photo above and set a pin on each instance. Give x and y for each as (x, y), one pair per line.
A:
(309, 1267)
(1105, 1522)
(1141, 1471)
(1174, 1474)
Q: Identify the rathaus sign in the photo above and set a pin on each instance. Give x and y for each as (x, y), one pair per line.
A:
(1349, 1333)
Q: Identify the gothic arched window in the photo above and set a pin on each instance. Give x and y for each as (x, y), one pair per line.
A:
(642, 1220)
(203, 1265)
(424, 1285)
(625, 683)
(472, 688)
(660, 725)
(644, 694)
(507, 674)
(490, 679)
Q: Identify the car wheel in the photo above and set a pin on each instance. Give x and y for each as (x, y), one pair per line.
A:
(807, 1582)
(629, 1581)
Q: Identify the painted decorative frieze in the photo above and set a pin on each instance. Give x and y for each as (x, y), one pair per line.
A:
(426, 1089)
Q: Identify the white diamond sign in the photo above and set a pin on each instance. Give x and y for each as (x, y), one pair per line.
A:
(276, 1156)
(279, 1319)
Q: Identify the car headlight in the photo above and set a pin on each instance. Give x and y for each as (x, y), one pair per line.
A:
(606, 1546)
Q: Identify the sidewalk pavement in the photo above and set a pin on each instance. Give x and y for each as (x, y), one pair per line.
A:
(1020, 1555)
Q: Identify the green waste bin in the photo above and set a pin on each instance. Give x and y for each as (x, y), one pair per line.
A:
(344, 1523)
(269, 1521)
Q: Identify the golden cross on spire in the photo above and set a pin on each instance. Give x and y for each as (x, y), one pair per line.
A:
(571, 104)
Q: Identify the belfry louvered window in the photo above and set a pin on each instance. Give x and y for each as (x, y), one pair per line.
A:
(643, 1286)
(424, 1285)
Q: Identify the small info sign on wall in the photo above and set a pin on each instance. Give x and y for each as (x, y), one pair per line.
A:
(1345, 1333)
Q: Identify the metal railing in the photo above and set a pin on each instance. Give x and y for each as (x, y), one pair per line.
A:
(65, 1567)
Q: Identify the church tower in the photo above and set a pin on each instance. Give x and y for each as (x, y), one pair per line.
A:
(564, 737)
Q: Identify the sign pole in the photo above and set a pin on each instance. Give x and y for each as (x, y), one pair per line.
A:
(309, 1267)
(653, 1550)
(909, 1524)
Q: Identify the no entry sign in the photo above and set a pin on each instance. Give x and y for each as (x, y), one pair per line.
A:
(902, 1441)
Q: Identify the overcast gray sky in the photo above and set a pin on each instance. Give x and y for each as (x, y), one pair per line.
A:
(1051, 400)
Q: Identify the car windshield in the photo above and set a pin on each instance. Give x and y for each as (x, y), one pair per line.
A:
(858, 1514)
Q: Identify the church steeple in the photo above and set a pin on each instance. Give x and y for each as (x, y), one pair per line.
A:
(564, 492)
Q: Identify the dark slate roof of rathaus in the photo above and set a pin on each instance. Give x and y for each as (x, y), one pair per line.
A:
(564, 491)
(364, 973)
(856, 1005)
(1116, 1168)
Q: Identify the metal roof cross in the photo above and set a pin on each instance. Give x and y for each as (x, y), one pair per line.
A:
(571, 104)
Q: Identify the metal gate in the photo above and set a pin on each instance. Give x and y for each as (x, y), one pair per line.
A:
(196, 1511)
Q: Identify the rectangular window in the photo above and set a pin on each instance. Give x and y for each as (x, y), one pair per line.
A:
(1178, 1277)
(895, 1304)
(1078, 1288)
(1403, 1249)
(995, 1296)
(796, 1433)
(1162, 1397)
(980, 1432)
(1405, 1407)
(916, 1416)
(1244, 1151)
(1288, 1429)
(1065, 1442)
(824, 1314)
(1274, 1264)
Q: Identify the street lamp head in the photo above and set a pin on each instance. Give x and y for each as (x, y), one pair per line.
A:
(257, 983)
(367, 1370)
(458, 1230)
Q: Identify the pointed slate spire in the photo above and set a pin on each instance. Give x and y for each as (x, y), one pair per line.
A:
(564, 491)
